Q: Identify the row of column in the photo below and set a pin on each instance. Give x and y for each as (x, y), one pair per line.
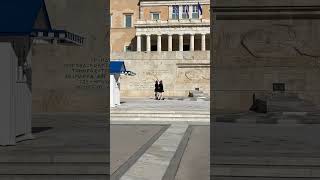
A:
(203, 42)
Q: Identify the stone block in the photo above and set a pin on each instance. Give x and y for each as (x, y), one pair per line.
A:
(256, 44)
(53, 91)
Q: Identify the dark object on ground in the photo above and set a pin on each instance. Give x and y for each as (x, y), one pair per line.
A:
(36, 130)
(259, 106)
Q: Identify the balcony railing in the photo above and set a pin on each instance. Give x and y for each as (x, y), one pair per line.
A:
(61, 35)
(173, 22)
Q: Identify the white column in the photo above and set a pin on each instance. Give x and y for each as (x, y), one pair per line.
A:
(170, 12)
(180, 12)
(180, 42)
(169, 42)
(141, 13)
(159, 43)
(112, 84)
(138, 43)
(203, 42)
(148, 42)
(191, 42)
(190, 11)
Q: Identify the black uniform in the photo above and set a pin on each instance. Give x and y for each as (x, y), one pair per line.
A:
(161, 87)
(156, 87)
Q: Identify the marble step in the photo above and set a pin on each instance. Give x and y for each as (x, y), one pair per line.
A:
(287, 171)
(161, 115)
(161, 119)
(29, 168)
(46, 155)
(123, 111)
(50, 162)
(267, 160)
(290, 117)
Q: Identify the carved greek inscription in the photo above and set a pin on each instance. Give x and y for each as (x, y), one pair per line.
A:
(88, 75)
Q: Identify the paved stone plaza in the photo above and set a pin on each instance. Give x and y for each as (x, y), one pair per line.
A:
(66, 146)
(160, 139)
(244, 146)
(264, 151)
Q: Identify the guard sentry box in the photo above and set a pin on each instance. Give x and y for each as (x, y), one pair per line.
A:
(16, 99)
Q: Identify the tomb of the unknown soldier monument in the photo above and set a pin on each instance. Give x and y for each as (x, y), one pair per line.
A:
(267, 51)
(265, 89)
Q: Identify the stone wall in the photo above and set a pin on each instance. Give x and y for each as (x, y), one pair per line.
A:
(59, 81)
(121, 36)
(258, 44)
(179, 71)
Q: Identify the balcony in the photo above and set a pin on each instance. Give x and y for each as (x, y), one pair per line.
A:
(172, 23)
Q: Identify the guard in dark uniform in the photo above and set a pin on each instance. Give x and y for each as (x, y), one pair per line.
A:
(161, 90)
(156, 90)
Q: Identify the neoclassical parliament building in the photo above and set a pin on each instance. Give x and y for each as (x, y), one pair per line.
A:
(162, 40)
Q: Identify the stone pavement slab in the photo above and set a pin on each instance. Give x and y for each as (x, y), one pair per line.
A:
(58, 136)
(153, 164)
(195, 162)
(126, 140)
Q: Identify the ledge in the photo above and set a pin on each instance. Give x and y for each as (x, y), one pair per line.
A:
(164, 55)
(181, 22)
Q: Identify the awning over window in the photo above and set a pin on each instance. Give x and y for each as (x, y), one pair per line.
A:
(118, 67)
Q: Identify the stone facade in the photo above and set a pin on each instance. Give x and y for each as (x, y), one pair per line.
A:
(180, 72)
(141, 12)
(52, 90)
(258, 44)
(168, 40)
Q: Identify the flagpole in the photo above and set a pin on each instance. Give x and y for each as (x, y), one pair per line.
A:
(199, 10)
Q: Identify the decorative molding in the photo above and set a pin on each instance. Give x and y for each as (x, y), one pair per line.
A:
(172, 30)
(174, 23)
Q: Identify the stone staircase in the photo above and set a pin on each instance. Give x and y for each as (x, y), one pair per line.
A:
(160, 116)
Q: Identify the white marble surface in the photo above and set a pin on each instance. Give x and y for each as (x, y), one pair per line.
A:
(153, 164)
